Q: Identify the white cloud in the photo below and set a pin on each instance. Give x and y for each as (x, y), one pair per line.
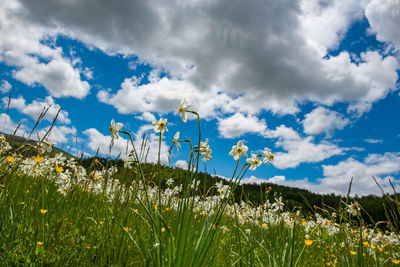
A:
(5, 86)
(98, 141)
(299, 149)
(322, 120)
(31, 49)
(271, 53)
(238, 125)
(277, 179)
(35, 108)
(384, 18)
(146, 116)
(181, 164)
(373, 141)
(7, 125)
(337, 177)
(59, 134)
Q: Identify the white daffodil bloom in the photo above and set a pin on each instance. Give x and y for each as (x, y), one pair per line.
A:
(175, 141)
(115, 128)
(239, 150)
(128, 161)
(267, 155)
(160, 126)
(183, 109)
(253, 161)
(205, 150)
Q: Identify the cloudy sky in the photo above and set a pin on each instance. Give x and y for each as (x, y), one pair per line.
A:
(314, 80)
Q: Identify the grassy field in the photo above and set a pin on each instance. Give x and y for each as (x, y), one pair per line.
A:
(55, 212)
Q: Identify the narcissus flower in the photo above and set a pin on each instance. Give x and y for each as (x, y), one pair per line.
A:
(160, 126)
(175, 141)
(183, 109)
(115, 128)
(254, 162)
(268, 156)
(239, 150)
(205, 150)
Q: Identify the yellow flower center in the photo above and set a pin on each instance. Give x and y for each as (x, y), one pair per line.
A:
(239, 150)
(256, 162)
(161, 125)
(111, 129)
(180, 110)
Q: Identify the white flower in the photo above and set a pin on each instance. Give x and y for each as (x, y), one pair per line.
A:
(268, 156)
(175, 141)
(160, 126)
(239, 150)
(205, 150)
(128, 161)
(115, 128)
(254, 162)
(183, 109)
(170, 182)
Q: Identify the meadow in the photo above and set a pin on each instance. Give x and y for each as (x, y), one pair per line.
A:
(56, 212)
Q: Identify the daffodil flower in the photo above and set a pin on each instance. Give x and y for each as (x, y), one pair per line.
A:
(239, 150)
(175, 141)
(268, 156)
(205, 150)
(115, 128)
(254, 162)
(160, 126)
(183, 109)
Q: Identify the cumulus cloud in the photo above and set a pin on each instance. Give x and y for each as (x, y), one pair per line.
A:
(238, 125)
(272, 53)
(38, 61)
(7, 125)
(59, 134)
(322, 120)
(181, 164)
(100, 142)
(384, 18)
(5, 86)
(300, 149)
(36, 107)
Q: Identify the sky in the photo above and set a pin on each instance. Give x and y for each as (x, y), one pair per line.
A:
(316, 81)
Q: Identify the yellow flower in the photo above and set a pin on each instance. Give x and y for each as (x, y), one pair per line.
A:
(127, 229)
(373, 247)
(396, 261)
(308, 242)
(59, 169)
(27, 191)
(38, 158)
(353, 252)
(155, 207)
(42, 211)
(365, 243)
(264, 225)
(10, 159)
(303, 223)
(39, 243)
(101, 222)
(163, 229)
(21, 202)
(166, 209)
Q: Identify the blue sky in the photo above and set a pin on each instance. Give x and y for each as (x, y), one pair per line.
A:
(315, 81)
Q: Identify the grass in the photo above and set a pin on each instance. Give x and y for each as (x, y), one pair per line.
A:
(55, 212)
